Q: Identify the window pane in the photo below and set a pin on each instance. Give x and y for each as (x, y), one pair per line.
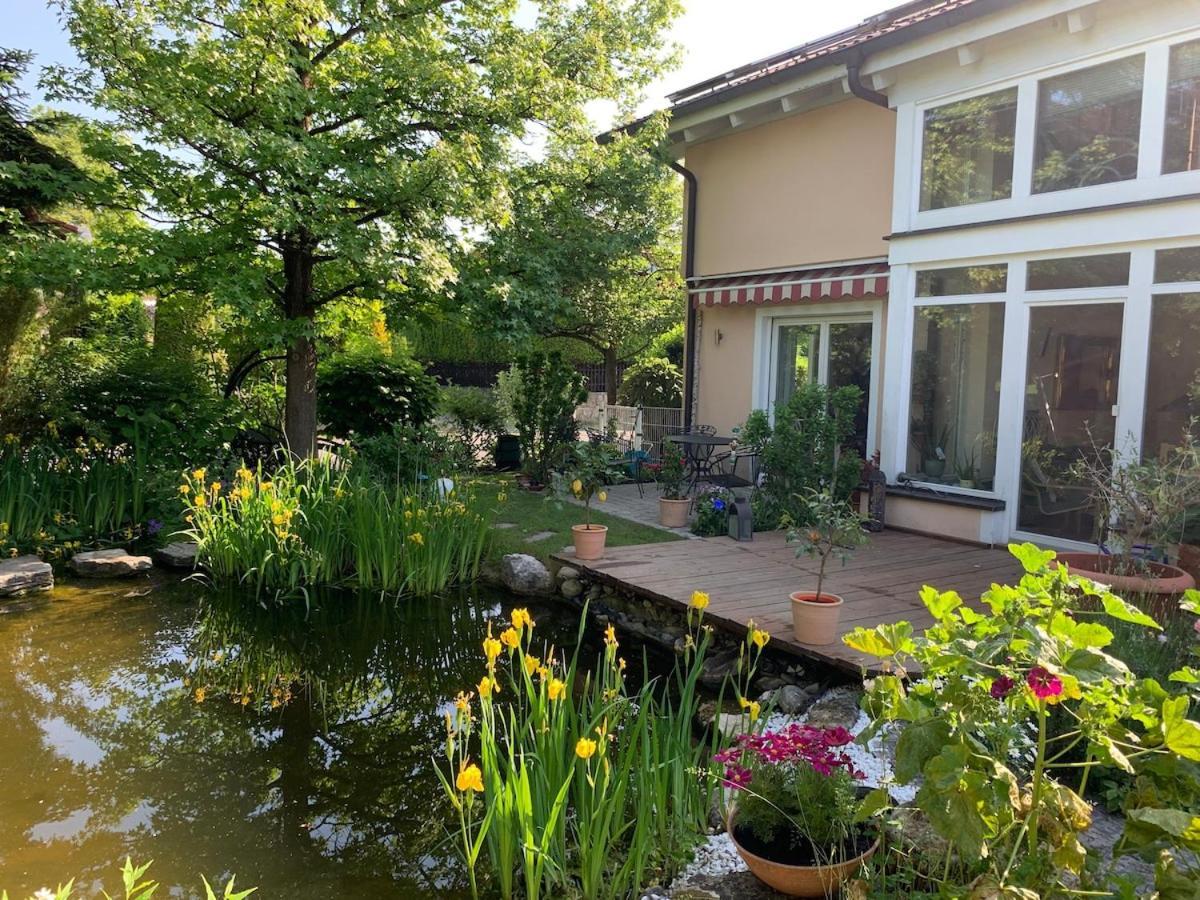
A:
(1178, 264)
(1088, 122)
(1181, 143)
(1104, 270)
(850, 364)
(798, 359)
(962, 280)
(955, 405)
(967, 151)
(1173, 382)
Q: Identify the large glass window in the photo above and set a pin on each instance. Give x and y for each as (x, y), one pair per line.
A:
(962, 280)
(967, 156)
(955, 406)
(1177, 264)
(1173, 380)
(1099, 270)
(1088, 124)
(798, 359)
(1181, 142)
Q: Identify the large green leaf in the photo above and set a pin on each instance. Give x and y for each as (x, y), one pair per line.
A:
(1125, 612)
(882, 640)
(1032, 557)
(1180, 734)
(940, 603)
(919, 743)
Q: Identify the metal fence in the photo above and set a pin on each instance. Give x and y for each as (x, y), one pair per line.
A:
(644, 427)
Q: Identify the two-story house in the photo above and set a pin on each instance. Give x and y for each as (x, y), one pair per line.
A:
(986, 214)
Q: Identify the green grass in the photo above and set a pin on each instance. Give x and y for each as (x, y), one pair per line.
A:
(532, 513)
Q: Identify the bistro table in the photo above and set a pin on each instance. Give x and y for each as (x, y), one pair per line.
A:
(698, 453)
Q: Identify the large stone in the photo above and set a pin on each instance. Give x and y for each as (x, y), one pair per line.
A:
(113, 563)
(793, 700)
(177, 555)
(715, 669)
(566, 573)
(726, 886)
(525, 575)
(839, 706)
(24, 575)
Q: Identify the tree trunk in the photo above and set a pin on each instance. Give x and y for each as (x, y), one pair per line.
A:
(300, 405)
(610, 374)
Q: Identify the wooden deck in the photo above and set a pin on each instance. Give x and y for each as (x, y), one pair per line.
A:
(752, 580)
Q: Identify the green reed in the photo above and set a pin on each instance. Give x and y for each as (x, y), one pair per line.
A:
(318, 522)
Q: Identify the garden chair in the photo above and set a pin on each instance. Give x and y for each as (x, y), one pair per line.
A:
(635, 460)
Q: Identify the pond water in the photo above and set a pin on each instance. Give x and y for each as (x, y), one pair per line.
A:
(106, 750)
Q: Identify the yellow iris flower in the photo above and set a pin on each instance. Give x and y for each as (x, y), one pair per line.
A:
(585, 748)
(469, 778)
(699, 600)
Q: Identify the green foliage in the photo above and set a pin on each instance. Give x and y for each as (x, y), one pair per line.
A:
(671, 474)
(990, 680)
(586, 787)
(544, 394)
(316, 523)
(652, 382)
(712, 512)
(136, 887)
(367, 394)
(669, 345)
(794, 802)
(587, 469)
(834, 527)
(474, 416)
(806, 449)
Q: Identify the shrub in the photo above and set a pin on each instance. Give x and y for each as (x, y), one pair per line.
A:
(474, 416)
(712, 512)
(544, 395)
(652, 382)
(410, 454)
(365, 394)
(669, 345)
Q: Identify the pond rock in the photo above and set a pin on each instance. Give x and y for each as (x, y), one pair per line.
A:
(794, 700)
(566, 573)
(112, 563)
(525, 575)
(177, 555)
(571, 588)
(839, 706)
(23, 575)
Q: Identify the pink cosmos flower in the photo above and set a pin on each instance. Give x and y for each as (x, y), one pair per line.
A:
(1002, 687)
(1043, 684)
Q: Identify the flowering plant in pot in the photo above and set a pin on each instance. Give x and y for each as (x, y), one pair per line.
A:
(590, 467)
(796, 816)
(835, 528)
(671, 476)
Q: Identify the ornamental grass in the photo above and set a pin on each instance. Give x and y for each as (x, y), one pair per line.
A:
(316, 523)
(575, 783)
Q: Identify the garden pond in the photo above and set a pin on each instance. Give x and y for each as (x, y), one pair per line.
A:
(292, 747)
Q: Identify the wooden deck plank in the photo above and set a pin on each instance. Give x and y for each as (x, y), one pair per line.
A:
(752, 580)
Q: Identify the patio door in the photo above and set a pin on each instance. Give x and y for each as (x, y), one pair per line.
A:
(834, 352)
(1071, 383)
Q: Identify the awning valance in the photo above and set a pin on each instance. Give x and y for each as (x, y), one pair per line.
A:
(795, 286)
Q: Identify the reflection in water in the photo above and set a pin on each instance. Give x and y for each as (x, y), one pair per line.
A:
(107, 751)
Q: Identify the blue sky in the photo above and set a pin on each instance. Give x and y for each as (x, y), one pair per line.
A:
(715, 34)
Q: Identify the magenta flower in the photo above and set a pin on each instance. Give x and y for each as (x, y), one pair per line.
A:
(1002, 687)
(1043, 684)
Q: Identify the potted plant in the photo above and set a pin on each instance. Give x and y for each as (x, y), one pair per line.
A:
(1189, 544)
(589, 468)
(834, 527)
(674, 503)
(967, 469)
(794, 818)
(1141, 511)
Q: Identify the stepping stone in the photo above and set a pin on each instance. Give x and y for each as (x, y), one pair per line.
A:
(504, 525)
(23, 575)
(114, 563)
(540, 536)
(177, 555)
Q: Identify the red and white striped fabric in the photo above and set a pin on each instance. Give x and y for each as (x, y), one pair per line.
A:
(796, 286)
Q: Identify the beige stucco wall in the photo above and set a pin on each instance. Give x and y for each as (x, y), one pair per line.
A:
(811, 188)
(725, 370)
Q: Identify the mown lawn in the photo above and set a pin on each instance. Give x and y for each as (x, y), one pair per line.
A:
(531, 514)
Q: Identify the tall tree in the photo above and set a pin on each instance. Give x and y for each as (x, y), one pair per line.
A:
(302, 151)
(591, 251)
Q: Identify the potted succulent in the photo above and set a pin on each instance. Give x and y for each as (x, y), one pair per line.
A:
(589, 468)
(835, 527)
(674, 503)
(793, 821)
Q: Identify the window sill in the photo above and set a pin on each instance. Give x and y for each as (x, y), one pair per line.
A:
(950, 498)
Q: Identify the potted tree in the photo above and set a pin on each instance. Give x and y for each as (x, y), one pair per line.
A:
(794, 818)
(1141, 510)
(589, 469)
(834, 527)
(671, 476)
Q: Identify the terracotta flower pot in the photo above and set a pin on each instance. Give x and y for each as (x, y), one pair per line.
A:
(1189, 560)
(815, 619)
(1158, 578)
(799, 881)
(589, 540)
(673, 513)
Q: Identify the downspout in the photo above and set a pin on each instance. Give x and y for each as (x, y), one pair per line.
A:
(689, 271)
(857, 88)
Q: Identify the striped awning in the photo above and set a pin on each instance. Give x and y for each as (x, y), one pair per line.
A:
(796, 286)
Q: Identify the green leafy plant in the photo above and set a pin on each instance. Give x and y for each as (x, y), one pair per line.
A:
(474, 418)
(834, 528)
(1001, 781)
(671, 475)
(588, 470)
(544, 396)
(713, 506)
(368, 393)
(136, 887)
(652, 382)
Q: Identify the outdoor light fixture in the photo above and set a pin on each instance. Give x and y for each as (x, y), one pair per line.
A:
(741, 521)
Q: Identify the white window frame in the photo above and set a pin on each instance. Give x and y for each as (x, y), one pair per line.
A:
(768, 320)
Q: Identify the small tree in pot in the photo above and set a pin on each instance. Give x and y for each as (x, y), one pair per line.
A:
(671, 476)
(590, 467)
(835, 528)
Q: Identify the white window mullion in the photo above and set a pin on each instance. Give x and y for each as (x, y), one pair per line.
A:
(1135, 356)
(1023, 140)
(1154, 111)
(1010, 434)
(898, 377)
